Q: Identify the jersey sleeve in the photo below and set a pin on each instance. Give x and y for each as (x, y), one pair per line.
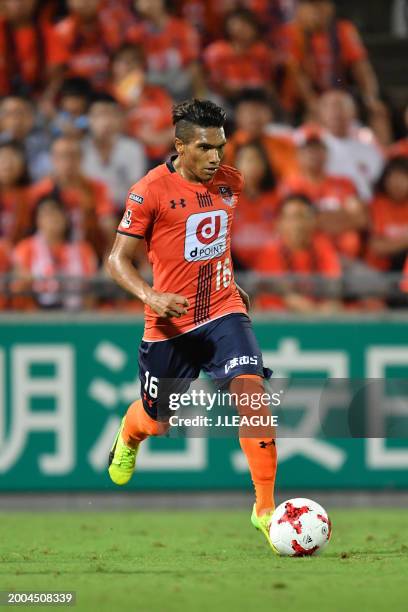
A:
(140, 212)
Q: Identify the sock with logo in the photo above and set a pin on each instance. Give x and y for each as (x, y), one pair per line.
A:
(257, 443)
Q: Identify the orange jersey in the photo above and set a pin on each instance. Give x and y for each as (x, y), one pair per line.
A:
(187, 228)
(227, 68)
(276, 258)
(317, 55)
(330, 194)
(254, 226)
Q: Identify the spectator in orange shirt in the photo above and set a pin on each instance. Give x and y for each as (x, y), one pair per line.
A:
(172, 49)
(253, 117)
(389, 218)
(297, 254)
(30, 58)
(323, 51)
(400, 148)
(255, 217)
(43, 260)
(148, 107)
(87, 200)
(88, 36)
(16, 201)
(241, 60)
(342, 216)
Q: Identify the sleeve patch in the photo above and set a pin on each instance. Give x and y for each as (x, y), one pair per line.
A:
(136, 198)
(127, 218)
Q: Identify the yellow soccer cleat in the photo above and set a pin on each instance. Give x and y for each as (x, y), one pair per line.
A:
(262, 524)
(122, 459)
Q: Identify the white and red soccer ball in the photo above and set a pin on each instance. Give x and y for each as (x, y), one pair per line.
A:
(300, 527)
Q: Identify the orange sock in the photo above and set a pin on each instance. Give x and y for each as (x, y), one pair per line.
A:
(139, 425)
(257, 443)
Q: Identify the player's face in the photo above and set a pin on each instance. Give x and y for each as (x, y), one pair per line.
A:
(201, 157)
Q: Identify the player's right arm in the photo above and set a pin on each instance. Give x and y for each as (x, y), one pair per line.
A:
(123, 271)
(141, 212)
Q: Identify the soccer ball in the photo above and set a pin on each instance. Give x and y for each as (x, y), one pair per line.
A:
(300, 527)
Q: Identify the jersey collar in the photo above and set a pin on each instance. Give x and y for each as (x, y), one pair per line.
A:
(170, 164)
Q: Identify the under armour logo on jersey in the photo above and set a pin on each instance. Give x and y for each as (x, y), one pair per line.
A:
(204, 199)
(180, 202)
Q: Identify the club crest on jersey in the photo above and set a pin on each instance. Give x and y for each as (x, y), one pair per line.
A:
(227, 195)
(136, 198)
(127, 219)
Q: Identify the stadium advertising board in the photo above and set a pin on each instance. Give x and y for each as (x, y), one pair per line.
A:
(64, 385)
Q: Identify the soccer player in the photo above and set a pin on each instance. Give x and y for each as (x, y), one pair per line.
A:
(195, 314)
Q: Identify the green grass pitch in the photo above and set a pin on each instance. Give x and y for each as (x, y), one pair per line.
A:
(203, 560)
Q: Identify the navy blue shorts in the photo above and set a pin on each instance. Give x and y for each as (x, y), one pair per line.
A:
(223, 349)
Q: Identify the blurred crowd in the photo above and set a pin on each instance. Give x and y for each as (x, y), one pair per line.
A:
(87, 88)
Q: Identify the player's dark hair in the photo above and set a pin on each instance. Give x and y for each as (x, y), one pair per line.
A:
(296, 197)
(195, 112)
